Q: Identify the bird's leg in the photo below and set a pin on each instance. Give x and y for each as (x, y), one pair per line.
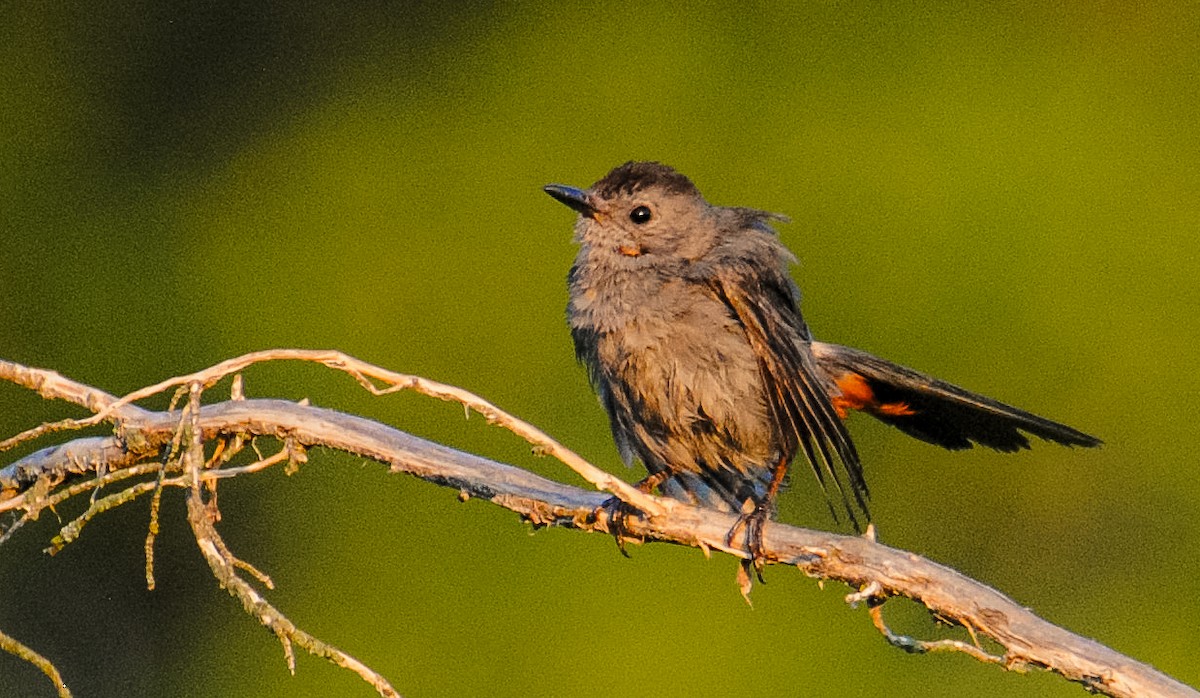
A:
(618, 511)
(754, 520)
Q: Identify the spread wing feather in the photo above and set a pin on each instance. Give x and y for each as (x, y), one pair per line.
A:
(764, 302)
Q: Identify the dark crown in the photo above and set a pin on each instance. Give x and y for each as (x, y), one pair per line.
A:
(637, 176)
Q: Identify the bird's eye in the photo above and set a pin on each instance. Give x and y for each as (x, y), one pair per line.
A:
(640, 215)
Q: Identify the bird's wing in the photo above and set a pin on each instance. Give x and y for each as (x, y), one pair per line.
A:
(763, 299)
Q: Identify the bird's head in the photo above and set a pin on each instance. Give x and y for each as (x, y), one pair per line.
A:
(644, 211)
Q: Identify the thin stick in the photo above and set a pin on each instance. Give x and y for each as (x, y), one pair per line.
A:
(363, 372)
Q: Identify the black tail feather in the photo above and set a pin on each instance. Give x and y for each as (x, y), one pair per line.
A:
(941, 413)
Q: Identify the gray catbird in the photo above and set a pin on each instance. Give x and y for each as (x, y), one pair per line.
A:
(689, 325)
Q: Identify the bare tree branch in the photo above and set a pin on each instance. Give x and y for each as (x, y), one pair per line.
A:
(18, 649)
(171, 447)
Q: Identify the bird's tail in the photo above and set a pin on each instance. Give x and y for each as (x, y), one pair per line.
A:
(933, 410)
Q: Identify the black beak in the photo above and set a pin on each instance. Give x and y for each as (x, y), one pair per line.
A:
(575, 198)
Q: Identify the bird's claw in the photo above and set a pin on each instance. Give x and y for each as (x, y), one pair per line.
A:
(753, 523)
(616, 512)
(619, 511)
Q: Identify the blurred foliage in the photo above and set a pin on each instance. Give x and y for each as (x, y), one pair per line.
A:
(1005, 195)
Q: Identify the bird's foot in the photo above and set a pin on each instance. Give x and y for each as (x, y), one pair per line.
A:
(617, 512)
(752, 522)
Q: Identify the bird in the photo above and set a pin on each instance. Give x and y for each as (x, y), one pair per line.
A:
(688, 322)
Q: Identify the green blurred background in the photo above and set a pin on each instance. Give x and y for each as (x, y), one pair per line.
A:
(1006, 196)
